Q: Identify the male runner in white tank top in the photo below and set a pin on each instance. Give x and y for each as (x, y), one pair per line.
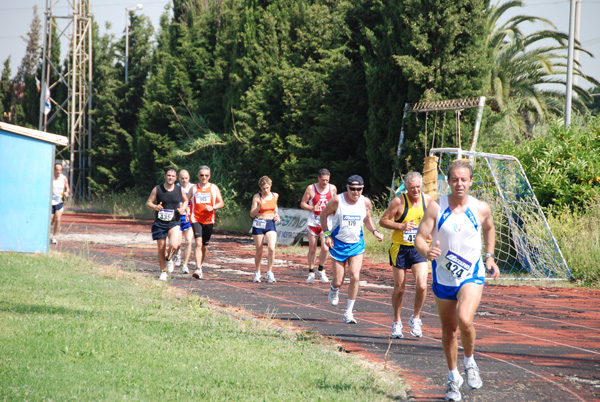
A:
(345, 240)
(60, 191)
(455, 223)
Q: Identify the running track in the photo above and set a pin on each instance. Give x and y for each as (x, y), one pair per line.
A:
(534, 343)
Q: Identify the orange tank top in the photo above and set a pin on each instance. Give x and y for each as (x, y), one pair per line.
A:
(268, 205)
(200, 199)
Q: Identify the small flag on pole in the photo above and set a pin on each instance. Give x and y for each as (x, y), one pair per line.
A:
(47, 106)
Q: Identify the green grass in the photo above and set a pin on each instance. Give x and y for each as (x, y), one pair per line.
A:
(578, 236)
(74, 331)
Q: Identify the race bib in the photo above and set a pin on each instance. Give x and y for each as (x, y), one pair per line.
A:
(259, 223)
(410, 235)
(457, 265)
(166, 215)
(203, 198)
(351, 221)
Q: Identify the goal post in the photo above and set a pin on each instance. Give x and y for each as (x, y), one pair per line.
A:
(525, 245)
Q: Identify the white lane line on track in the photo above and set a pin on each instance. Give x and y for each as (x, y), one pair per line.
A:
(542, 377)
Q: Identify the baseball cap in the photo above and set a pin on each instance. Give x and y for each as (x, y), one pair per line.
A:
(355, 180)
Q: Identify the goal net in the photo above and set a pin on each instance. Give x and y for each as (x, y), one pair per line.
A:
(525, 245)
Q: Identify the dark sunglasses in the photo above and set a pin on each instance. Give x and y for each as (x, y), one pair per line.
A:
(203, 175)
(355, 188)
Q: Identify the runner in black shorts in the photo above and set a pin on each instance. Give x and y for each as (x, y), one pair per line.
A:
(169, 202)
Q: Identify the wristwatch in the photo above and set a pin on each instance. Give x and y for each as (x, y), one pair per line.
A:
(488, 255)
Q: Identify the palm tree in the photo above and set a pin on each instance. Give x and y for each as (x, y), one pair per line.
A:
(523, 71)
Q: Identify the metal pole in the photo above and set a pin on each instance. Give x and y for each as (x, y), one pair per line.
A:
(569, 94)
(577, 35)
(126, 41)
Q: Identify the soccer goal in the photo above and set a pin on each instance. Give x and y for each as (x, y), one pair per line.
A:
(525, 245)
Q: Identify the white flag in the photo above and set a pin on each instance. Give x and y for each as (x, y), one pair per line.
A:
(47, 102)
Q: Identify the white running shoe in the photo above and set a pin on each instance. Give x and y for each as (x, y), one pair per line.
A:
(453, 389)
(177, 258)
(185, 269)
(163, 276)
(348, 318)
(323, 277)
(311, 277)
(256, 277)
(397, 330)
(269, 277)
(473, 378)
(415, 326)
(333, 297)
(53, 240)
(170, 266)
(197, 273)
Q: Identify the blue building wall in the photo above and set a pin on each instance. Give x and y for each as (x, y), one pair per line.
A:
(25, 193)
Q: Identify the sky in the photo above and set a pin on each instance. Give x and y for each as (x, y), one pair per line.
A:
(15, 19)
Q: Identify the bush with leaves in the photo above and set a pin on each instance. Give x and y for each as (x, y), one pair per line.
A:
(562, 165)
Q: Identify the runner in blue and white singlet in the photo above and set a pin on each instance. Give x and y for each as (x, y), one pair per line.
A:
(345, 241)
(460, 244)
(457, 223)
(347, 229)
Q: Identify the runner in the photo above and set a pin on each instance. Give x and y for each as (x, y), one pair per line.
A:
(205, 199)
(265, 214)
(315, 198)
(60, 191)
(403, 216)
(186, 225)
(345, 240)
(169, 202)
(456, 222)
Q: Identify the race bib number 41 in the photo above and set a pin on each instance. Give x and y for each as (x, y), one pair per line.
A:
(457, 265)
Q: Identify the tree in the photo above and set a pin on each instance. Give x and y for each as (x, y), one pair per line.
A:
(523, 69)
(5, 90)
(25, 94)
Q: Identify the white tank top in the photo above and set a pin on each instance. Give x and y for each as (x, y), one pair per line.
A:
(348, 220)
(460, 242)
(58, 189)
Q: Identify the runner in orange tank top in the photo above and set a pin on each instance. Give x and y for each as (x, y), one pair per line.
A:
(265, 214)
(205, 199)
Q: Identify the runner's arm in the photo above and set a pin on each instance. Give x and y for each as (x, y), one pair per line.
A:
(330, 209)
(67, 191)
(255, 207)
(308, 194)
(388, 219)
(219, 200)
(369, 221)
(150, 201)
(489, 237)
(424, 232)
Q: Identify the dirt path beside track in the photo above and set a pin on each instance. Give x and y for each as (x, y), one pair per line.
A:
(534, 343)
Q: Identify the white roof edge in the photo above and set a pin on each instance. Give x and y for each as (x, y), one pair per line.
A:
(38, 135)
